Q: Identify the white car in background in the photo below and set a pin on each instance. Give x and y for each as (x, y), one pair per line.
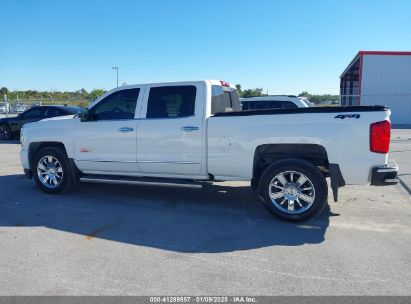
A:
(274, 102)
(306, 101)
(4, 107)
(19, 108)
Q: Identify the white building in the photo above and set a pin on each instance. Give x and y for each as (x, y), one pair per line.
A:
(379, 78)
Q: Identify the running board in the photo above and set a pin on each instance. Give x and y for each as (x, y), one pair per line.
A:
(127, 180)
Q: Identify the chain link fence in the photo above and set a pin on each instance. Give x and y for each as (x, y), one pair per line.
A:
(400, 105)
(15, 107)
(350, 100)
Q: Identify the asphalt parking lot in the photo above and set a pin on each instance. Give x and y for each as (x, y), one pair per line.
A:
(112, 240)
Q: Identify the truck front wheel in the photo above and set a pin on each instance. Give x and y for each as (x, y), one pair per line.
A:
(50, 170)
(293, 189)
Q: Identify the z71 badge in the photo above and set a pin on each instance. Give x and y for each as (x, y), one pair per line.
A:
(344, 116)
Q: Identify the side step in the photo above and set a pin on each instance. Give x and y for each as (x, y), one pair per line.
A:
(148, 181)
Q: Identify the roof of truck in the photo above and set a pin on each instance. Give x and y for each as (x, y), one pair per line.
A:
(165, 83)
(212, 81)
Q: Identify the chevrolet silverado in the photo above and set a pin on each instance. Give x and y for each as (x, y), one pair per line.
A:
(195, 132)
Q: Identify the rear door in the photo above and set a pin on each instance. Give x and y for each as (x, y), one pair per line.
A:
(170, 133)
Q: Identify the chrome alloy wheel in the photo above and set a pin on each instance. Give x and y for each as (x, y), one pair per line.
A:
(291, 192)
(49, 171)
(4, 132)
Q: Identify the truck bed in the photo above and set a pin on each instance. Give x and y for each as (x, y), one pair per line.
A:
(344, 133)
(346, 109)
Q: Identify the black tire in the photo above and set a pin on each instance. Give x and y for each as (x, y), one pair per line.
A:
(295, 212)
(66, 182)
(5, 132)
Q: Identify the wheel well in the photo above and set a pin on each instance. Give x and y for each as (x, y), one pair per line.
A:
(37, 146)
(269, 153)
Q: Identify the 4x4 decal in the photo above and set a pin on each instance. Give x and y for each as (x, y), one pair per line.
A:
(344, 116)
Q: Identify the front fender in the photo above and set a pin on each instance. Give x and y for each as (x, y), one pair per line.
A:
(51, 131)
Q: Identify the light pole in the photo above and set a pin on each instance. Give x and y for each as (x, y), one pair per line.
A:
(116, 68)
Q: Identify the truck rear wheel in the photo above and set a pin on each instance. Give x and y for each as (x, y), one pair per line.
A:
(293, 189)
(51, 170)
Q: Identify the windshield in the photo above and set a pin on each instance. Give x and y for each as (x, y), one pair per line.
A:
(306, 102)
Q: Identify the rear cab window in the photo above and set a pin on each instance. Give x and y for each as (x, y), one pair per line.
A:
(224, 99)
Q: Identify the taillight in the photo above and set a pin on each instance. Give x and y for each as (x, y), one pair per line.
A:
(224, 83)
(380, 133)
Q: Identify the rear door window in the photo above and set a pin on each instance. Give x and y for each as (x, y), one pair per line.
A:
(257, 105)
(268, 104)
(35, 113)
(275, 104)
(53, 112)
(171, 102)
(288, 105)
(281, 104)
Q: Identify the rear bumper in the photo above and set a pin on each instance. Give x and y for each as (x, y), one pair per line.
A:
(384, 175)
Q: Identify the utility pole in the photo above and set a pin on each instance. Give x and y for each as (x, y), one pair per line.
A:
(6, 103)
(116, 68)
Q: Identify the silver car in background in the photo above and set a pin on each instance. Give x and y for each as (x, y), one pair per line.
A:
(273, 102)
(19, 108)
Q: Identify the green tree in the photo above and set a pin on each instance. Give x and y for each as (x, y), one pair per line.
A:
(319, 98)
(240, 92)
(304, 94)
(82, 93)
(4, 90)
(94, 94)
(253, 92)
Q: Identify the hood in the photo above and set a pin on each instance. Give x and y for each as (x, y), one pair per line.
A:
(53, 122)
(59, 118)
(9, 119)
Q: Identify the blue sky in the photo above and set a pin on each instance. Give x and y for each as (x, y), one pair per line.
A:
(282, 46)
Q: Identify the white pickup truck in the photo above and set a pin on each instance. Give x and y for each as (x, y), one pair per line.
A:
(194, 132)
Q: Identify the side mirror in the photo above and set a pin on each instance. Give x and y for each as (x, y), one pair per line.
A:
(84, 114)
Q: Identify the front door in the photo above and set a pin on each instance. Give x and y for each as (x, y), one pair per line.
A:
(170, 133)
(106, 142)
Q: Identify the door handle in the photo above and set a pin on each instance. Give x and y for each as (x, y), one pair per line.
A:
(125, 129)
(189, 128)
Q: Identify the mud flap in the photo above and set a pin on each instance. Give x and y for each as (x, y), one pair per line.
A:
(337, 180)
(74, 171)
